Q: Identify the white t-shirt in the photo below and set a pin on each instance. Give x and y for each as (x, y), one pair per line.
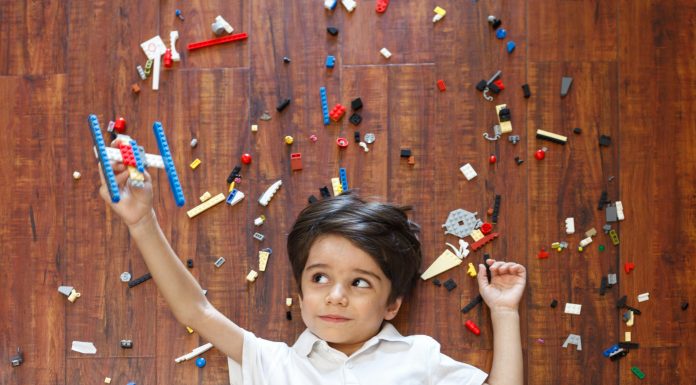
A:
(387, 358)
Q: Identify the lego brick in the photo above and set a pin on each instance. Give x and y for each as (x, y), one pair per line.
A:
(324, 105)
(570, 225)
(336, 186)
(258, 236)
(251, 277)
(355, 119)
(337, 112)
(446, 261)
(219, 262)
(479, 244)
(461, 223)
(283, 104)
(330, 61)
(441, 85)
(324, 192)
(100, 149)
(206, 205)
(550, 136)
(263, 261)
(573, 339)
(573, 308)
(220, 40)
(468, 171)
(269, 193)
(296, 161)
(381, 6)
(526, 91)
(385, 52)
(235, 196)
(333, 31)
(503, 114)
(471, 326)
(565, 85)
(195, 164)
(405, 152)
(169, 167)
(449, 284)
(343, 177)
(139, 280)
(471, 305)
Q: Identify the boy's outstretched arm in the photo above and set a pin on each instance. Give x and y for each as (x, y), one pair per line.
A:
(179, 288)
(502, 295)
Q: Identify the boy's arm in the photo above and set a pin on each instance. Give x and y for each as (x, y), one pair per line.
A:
(503, 295)
(181, 290)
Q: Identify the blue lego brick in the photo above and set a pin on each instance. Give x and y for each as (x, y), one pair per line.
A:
(510, 46)
(139, 164)
(324, 105)
(168, 163)
(343, 177)
(611, 350)
(99, 144)
(330, 61)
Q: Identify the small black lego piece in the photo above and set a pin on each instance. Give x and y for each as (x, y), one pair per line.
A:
(126, 344)
(450, 284)
(577, 130)
(355, 119)
(518, 160)
(139, 280)
(481, 85)
(286, 59)
(474, 302)
(356, 135)
(621, 303)
(312, 199)
(554, 303)
(684, 305)
(405, 152)
(526, 91)
(437, 282)
(604, 140)
(333, 31)
(325, 192)
(356, 104)
(280, 107)
(603, 286)
(288, 315)
(189, 263)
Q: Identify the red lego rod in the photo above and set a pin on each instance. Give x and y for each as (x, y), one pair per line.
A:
(225, 39)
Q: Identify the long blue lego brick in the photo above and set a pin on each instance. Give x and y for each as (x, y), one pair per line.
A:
(324, 105)
(137, 155)
(168, 164)
(343, 177)
(100, 145)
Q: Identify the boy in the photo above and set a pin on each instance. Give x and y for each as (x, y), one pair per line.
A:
(354, 263)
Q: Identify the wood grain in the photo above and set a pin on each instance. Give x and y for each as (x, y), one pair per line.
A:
(634, 81)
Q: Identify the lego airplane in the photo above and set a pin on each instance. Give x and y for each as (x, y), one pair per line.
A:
(135, 159)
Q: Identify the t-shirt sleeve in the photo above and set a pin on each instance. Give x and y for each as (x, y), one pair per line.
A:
(258, 358)
(446, 371)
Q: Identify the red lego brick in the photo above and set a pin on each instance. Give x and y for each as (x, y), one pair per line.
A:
(499, 84)
(381, 6)
(296, 161)
(472, 327)
(120, 125)
(441, 85)
(337, 112)
(127, 154)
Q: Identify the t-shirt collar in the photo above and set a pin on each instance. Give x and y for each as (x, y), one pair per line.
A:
(308, 340)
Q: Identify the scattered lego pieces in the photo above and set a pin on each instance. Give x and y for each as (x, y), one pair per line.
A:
(554, 303)
(503, 113)
(178, 14)
(604, 141)
(349, 5)
(480, 243)
(439, 14)
(333, 31)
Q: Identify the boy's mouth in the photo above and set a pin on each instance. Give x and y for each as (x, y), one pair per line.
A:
(333, 318)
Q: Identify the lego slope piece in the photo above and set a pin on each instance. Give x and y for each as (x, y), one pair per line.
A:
(447, 260)
(270, 192)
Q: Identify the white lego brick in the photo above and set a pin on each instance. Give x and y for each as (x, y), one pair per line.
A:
(619, 210)
(385, 52)
(173, 37)
(349, 5)
(573, 339)
(570, 225)
(585, 241)
(643, 297)
(573, 308)
(468, 171)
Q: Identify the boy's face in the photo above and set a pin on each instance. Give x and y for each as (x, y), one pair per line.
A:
(344, 294)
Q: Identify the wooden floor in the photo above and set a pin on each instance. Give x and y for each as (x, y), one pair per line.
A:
(634, 79)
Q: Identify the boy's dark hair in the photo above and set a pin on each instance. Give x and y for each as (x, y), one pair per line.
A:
(381, 230)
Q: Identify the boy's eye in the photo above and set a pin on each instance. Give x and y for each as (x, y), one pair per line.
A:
(361, 283)
(319, 278)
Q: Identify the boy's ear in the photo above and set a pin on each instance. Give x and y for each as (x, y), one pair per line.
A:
(393, 309)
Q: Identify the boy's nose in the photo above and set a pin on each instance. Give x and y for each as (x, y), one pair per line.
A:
(337, 296)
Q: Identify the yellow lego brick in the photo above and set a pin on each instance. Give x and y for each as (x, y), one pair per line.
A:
(627, 336)
(505, 127)
(472, 270)
(263, 259)
(251, 277)
(440, 11)
(476, 234)
(107, 380)
(336, 185)
(254, 128)
(189, 330)
(205, 196)
(195, 164)
(206, 205)
(231, 187)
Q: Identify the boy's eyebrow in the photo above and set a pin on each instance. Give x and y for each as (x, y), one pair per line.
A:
(361, 271)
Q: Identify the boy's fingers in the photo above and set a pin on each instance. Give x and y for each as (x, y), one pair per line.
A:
(481, 276)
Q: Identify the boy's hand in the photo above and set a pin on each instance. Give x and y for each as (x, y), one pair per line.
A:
(135, 203)
(505, 290)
